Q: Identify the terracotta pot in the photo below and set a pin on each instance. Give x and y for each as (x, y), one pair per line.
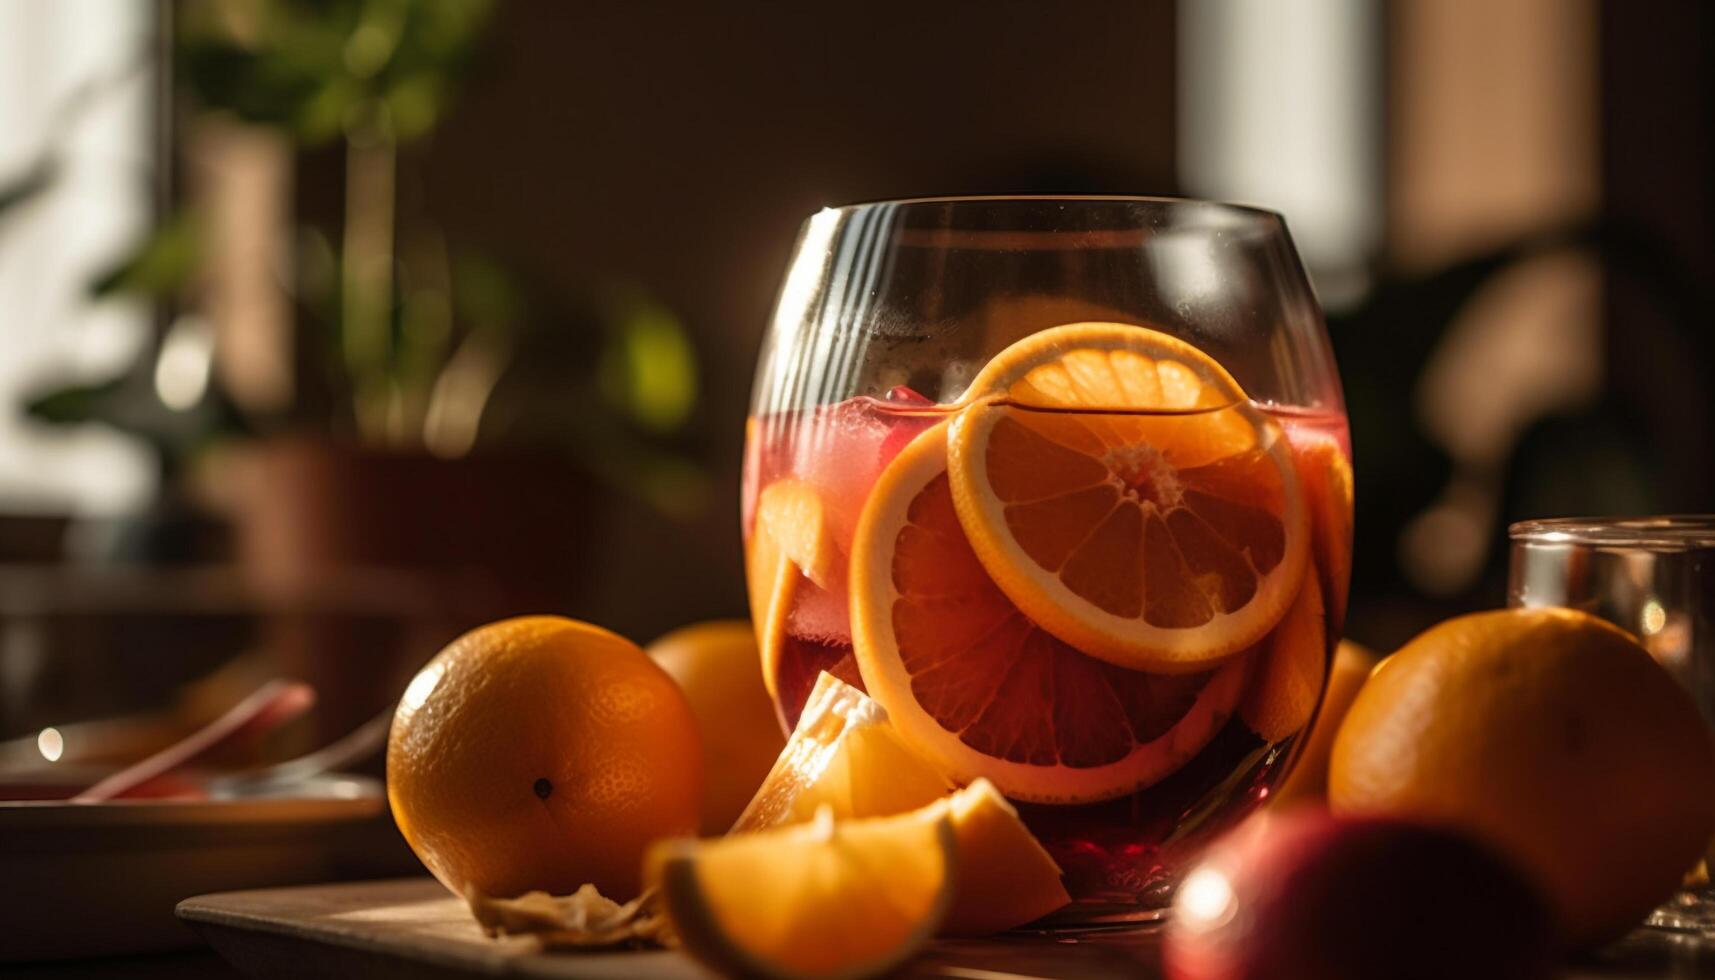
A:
(373, 560)
(516, 522)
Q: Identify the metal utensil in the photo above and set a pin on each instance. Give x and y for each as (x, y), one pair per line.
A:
(271, 705)
(362, 742)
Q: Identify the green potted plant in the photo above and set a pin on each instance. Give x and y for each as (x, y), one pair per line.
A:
(442, 412)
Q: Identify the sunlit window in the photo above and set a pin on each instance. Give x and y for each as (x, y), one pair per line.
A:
(1279, 105)
(76, 95)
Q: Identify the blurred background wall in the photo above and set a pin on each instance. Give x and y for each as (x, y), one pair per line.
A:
(450, 310)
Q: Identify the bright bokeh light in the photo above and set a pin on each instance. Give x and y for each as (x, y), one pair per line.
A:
(182, 370)
(1205, 900)
(51, 744)
(1654, 617)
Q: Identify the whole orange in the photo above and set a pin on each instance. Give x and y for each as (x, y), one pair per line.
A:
(718, 667)
(542, 753)
(1555, 737)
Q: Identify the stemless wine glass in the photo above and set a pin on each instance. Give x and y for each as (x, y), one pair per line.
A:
(1064, 484)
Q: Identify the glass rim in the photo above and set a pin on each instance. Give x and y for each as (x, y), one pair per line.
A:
(1251, 211)
(1658, 531)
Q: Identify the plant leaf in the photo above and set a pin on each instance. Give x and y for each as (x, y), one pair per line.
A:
(484, 292)
(76, 404)
(33, 182)
(257, 87)
(160, 266)
(649, 370)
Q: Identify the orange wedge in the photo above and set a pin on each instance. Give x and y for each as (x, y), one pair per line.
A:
(845, 759)
(793, 514)
(1293, 665)
(843, 756)
(1005, 876)
(982, 691)
(1326, 476)
(791, 551)
(1122, 492)
(773, 579)
(820, 899)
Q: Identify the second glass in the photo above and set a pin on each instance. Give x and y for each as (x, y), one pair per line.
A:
(1064, 484)
(1653, 577)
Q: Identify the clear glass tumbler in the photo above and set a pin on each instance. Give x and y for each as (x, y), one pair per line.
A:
(1064, 484)
(1655, 578)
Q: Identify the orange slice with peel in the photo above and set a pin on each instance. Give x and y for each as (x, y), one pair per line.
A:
(1005, 877)
(793, 514)
(1291, 669)
(1118, 366)
(1325, 473)
(844, 756)
(1117, 485)
(982, 691)
(773, 580)
(791, 550)
(822, 899)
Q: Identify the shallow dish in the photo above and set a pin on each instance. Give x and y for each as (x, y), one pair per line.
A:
(102, 879)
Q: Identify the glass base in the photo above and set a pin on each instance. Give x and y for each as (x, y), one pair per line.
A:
(1692, 910)
(1093, 916)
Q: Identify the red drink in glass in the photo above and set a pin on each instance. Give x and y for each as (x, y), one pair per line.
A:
(1087, 561)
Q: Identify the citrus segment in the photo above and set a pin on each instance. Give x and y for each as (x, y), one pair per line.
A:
(773, 580)
(1115, 484)
(846, 760)
(1106, 365)
(819, 899)
(1005, 877)
(980, 689)
(1293, 665)
(795, 517)
(1326, 476)
(794, 567)
(843, 755)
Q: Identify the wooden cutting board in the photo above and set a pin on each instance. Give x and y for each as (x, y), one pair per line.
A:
(411, 927)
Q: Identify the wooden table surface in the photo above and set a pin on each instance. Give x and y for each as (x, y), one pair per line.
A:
(412, 927)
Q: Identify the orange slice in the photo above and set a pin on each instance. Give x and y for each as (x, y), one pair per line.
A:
(1106, 365)
(1119, 488)
(1326, 476)
(845, 759)
(791, 549)
(793, 514)
(1005, 876)
(843, 756)
(773, 579)
(1289, 678)
(822, 899)
(982, 691)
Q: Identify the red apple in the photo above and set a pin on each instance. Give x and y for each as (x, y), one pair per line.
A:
(1304, 894)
